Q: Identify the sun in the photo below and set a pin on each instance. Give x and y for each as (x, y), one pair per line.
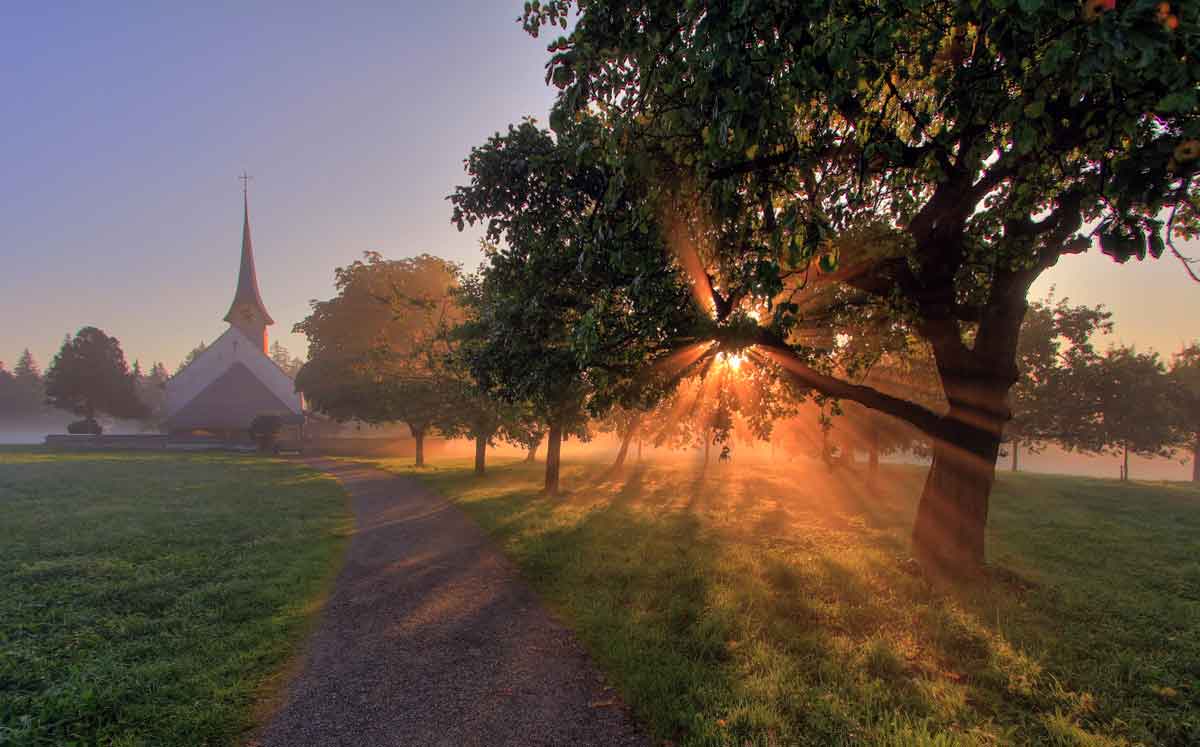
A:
(734, 360)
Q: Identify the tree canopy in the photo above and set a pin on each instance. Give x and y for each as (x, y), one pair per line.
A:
(370, 347)
(89, 377)
(920, 163)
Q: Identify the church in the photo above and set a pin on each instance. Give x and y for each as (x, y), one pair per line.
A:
(217, 395)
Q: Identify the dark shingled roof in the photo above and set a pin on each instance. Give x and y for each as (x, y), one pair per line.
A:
(230, 402)
(247, 288)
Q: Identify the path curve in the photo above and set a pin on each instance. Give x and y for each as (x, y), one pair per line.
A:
(430, 638)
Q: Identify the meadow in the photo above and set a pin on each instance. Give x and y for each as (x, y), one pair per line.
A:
(775, 603)
(155, 599)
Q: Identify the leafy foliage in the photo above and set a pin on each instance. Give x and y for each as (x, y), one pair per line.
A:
(89, 376)
(1050, 401)
(965, 144)
(370, 354)
(1185, 401)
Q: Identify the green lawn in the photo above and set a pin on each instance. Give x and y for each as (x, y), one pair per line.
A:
(153, 599)
(775, 604)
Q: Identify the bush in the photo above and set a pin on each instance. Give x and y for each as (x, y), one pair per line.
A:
(265, 430)
(87, 426)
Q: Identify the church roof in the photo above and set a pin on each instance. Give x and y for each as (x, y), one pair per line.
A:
(247, 287)
(231, 401)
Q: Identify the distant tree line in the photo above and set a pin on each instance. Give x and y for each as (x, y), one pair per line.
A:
(1119, 401)
(89, 377)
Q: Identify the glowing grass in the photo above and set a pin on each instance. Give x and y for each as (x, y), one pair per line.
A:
(768, 604)
(149, 599)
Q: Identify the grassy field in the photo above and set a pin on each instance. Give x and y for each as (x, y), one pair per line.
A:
(776, 605)
(153, 599)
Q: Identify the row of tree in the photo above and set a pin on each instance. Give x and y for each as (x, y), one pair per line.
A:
(1120, 401)
(841, 196)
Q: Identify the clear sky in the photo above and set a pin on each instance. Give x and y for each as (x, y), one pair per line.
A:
(125, 127)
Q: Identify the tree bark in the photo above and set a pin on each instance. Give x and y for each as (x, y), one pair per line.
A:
(419, 437)
(1125, 466)
(624, 450)
(707, 443)
(639, 456)
(553, 451)
(948, 535)
(480, 454)
(533, 450)
(1016, 447)
(1196, 458)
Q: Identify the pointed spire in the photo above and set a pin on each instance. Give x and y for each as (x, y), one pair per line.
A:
(247, 294)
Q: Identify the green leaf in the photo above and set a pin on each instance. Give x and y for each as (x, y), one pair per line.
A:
(1179, 101)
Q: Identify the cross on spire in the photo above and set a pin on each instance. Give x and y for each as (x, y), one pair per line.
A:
(245, 178)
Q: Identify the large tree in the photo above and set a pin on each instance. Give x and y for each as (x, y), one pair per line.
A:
(369, 346)
(89, 377)
(965, 146)
(1048, 400)
(570, 252)
(1132, 405)
(1185, 380)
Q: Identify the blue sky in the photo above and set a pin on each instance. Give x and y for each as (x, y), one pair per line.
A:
(124, 129)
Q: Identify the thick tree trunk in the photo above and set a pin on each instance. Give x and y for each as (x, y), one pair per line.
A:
(1016, 448)
(948, 536)
(1196, 458)
(624, 450)
(419, 438)
(533, 450)
(553, 450)
(480, 454)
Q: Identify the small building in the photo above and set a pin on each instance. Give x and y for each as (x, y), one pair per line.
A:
(218, 395)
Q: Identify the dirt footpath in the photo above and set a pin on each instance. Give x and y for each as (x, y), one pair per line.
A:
(430, 638)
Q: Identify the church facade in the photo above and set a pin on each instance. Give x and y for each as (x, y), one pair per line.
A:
(218, 395)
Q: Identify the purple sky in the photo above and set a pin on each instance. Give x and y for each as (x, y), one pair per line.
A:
(125, 128)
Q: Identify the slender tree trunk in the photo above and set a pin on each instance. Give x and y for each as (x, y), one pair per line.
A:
(1016, 447)
(639, 456)
(1196, 458)
(1125, 466)
(480, 454)
(533, 450)
(624, 450)
(553, 451)
(873, 456)
(418, 435)
(707, 443)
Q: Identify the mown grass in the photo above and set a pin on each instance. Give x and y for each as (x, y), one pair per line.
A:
(152, 599)
(773, 604)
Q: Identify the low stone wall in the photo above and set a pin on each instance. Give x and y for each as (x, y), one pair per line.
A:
(141, 442)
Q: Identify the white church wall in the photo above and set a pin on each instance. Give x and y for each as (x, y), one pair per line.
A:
(229, 348)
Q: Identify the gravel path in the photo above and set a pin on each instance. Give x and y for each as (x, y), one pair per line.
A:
(429, 638)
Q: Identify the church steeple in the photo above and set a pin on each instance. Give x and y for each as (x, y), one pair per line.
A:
(247, 312)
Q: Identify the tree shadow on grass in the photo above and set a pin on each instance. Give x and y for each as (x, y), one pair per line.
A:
(783, 626)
